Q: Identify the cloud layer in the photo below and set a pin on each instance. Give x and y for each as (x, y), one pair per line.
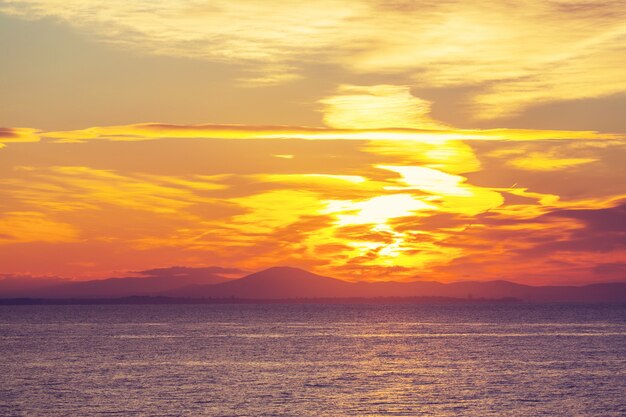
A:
(515, 55)
(532, 206)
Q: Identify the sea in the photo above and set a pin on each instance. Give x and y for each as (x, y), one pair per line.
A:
(455, 359)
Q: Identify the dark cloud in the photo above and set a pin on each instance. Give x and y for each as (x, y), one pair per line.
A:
(603, 230)
(594, 230)
(609, 219)
(6, 132)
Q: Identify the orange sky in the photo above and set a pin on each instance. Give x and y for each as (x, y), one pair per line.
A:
(444, 142)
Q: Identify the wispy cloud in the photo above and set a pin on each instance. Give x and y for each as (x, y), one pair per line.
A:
(514, 54)
(16, 135)
(152, 131)
(32, 226)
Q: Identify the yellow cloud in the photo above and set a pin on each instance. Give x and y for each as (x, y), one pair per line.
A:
(538, 161)
(420, 201)
(549, 51)
(30, 226)
(71, 188)
(154, 131)
(450, 191)
(429, 180)
(325, 181)
(377, 210)
(377, 107)
(17, 134)
(550, 160)
(266, 212)
(451, 156)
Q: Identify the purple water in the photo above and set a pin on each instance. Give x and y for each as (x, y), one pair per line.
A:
(313, 360)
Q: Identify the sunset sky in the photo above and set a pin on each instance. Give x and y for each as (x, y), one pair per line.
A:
(365, 140)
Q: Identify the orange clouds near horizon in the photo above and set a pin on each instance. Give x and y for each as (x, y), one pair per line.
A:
(537, 207)
(362, 139)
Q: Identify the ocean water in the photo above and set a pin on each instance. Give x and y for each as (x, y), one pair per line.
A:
(313, 360)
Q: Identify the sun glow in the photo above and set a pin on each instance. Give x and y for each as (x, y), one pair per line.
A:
(322, 135)
(347, 199)
(378, 210)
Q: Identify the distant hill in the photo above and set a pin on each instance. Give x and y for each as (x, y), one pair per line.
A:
(272, 283)
(153, 282)
(24, 285)
(285, 283)
(292, 283)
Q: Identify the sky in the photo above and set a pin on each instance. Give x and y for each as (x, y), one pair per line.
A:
(365, 140)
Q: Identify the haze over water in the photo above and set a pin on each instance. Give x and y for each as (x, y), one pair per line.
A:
(313, 360)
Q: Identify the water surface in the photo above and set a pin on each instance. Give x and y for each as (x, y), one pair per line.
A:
(313, 360)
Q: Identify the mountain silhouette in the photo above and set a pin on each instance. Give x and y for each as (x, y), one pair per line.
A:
(272, 283)
(285, 283)
(152, 283)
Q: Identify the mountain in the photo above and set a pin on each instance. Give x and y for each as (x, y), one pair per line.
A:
(284, 283)
(24, 285)
(272, 283)
(153, 282)
(280, 283)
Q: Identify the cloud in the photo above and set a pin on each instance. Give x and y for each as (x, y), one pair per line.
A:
(185, 271)
(17, 135)
(31, 226)
(603, 230)
(452, 156)
(156, 131)
(540, 161)
(560, 245)
(397, 200)
(448, 191)
(593, 71)
(75, 188)
(611, 268)
(517, 54)
(377, 107)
